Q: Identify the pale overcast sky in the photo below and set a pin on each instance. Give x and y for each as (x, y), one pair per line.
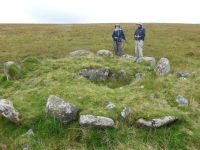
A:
(99, 11)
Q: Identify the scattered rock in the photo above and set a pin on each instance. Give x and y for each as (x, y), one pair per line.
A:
(8, 111)
(29, 133)
(139, 75)
(181, 100)
(150, 60)
(78, 53)
(182, 74)
(12, 71)
(129, 57)
(151, 96)
(162, 67)
(156, 123)
(142, 87)
(95, 74)
(96, 121)
(63, 111)
(105, 53)
(124, 112)
(110, 105)
(183, 78)
(122, 74)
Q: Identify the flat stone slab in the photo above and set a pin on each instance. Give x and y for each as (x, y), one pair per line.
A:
(105, 53)
(78, 53)
(96, 121)
(150, 60)
(156, 123)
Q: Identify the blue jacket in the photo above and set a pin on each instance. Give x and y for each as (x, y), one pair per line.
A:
(141, 33)
(118, 35)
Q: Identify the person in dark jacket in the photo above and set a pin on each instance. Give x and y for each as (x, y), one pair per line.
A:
(118, 36)
(139, 36)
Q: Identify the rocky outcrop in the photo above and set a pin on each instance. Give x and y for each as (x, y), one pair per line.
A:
(162, 67)
(96, 121)
(150, 60)
(78, 53)
(156, 123)
(61, 110)
(104, 53)
(95, 74)
(8, 111)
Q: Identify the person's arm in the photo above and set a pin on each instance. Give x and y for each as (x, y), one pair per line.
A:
(123, 36)
(144, 33)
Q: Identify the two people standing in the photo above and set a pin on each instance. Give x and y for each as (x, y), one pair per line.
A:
(139, 36)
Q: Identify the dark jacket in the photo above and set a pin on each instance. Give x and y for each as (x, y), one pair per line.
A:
(118, 35)
(139, 32)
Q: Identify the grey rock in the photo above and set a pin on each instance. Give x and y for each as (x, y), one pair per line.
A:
(181, 100)
(10, 75)
(61, 110)
(139, 75)
(156, 123)
(150, 60)
(104, 53)
(95, 74)
(162, 67)
(129, 57)
(78, 53)
(8, 111)
(182, 74)
(110, 105)
(122, 73)
(96, 121)
(142, 87)
(151, 96)
(124, 113)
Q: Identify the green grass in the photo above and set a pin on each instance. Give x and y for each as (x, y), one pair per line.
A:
(42, 51)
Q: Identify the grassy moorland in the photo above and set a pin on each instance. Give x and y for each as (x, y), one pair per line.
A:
(42, 51)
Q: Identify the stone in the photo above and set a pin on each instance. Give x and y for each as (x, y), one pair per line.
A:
(104, 53)
(129, 57)
(139, 75)
(78, 53)
(96, 121)
(8, 111)
(12, 71)
(142, 87)
(156, 123)
(122, 74)
(95, 74)
(152, 96)
(182, 74)
(61, 110)
(110, 105)
(150, 60)
(181, 100)
(162, 67)
(124, 113)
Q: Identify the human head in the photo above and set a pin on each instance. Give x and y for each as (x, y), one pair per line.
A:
(117, 26)
(139, 25)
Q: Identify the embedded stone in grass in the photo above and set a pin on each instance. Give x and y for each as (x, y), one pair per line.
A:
(139, 75)
(182, 74)
(61, 110)
(150, 60)
(110, 105)
(124, 113)
(129, 57)
(80, 53)
(156, 123)
(181, 100)
(104, 53)
(96, 121)
(8, 111)
(12, 70)
(105, 76)
(162, 67)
